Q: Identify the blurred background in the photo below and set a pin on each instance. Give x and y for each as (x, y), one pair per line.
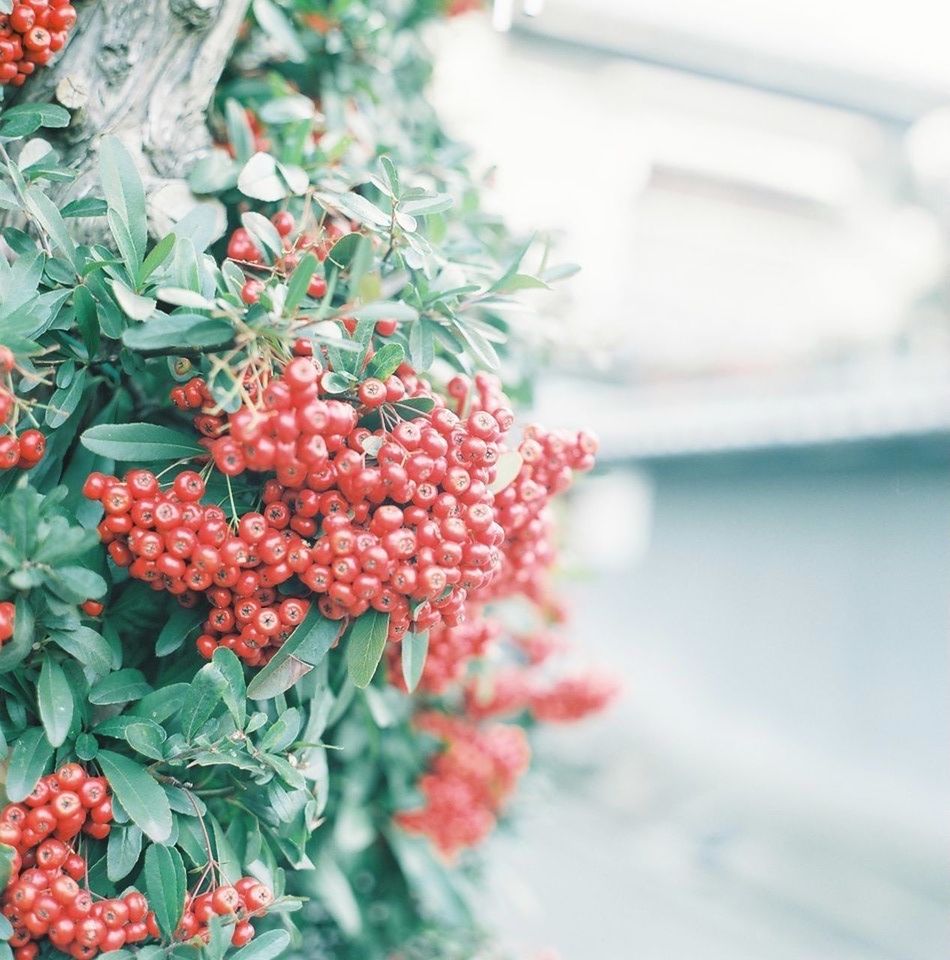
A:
(759, 194)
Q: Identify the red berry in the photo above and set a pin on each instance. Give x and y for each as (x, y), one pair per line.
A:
(252, 290)
(284, 222)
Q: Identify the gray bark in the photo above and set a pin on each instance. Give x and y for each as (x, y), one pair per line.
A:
(144, 70)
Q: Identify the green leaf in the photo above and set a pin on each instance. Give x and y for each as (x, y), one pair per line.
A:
(273, 21)
(365, 646)
(182, 297)
(124, 194)
(171, 332)
(282, 732)
(85, 207)
(181, 621)
(7, 854)
(64, 401)
(146, 738)
(261, 180)
(55, 700)
(228, 861)
(47, 214)
(235, 696)
(207, 691)
(15, 651)
(123, 851)
(76, 584)
(134, 306)
(299, 282)
(159, 706)
(264, 233)
(265, 947)
(355, 206)
(123, 686)
(156, 257)
(421, 345)
(141, 797)
(240, 133)
(86, 746)
(139, 442)
(29, 760)
(87, 646)
(426, 206)
(165, 886)
(27, 118)
(415, 646)
(386, 309)
(385, 361)
(298, 655)
(87, 319)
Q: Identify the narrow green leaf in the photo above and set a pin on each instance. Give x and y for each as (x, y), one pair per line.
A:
(174, 332)
(302, 650)
(55, 701)
(29, 760)
(207, 691)
(415, 646)
(87, 646)
(123, 686)
(365, 646)
(235, 696)
(165, 886)
(385, 361)
(299, 282)
(141, 797)
(139, 442)
(265, 947)
(123, 851)
(124, 192)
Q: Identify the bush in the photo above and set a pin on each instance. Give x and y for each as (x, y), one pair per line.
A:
(274, 554)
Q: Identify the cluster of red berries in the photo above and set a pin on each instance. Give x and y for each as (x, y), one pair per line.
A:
(247, 899)
(549, 461)
(243, 250)
(467, 783)
(7, 617)
(30, 34)
(27, 449)
(171, 541)
(43, 897)
(515, 690)
(408, 524)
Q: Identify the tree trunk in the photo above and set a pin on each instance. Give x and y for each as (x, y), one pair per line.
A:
(144, 70)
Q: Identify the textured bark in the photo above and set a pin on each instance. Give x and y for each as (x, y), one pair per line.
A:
(144, 70)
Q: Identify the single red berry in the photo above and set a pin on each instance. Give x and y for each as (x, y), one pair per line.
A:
(252, 290)
(92, 608)
(284, 222)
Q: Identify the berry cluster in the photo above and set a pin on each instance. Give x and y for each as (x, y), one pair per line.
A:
(171, 541)
(516, 690)
(30, 34)
(243, 250)
(27, 449)
(467, 783)
(549, 460)
(43, 897)
(248, 898)
(407, 519)
(7, 616)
